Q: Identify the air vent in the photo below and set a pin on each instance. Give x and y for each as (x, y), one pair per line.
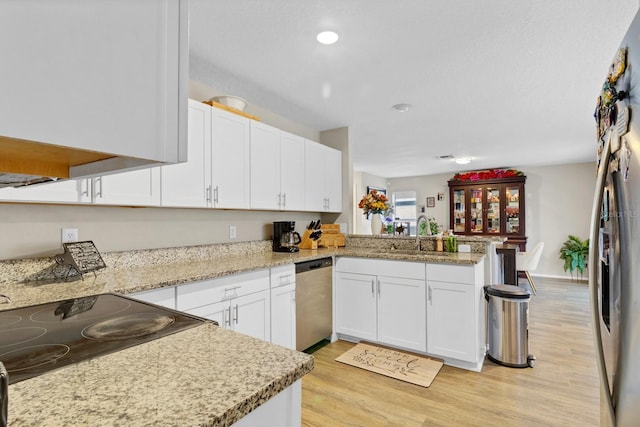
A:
(446, 157)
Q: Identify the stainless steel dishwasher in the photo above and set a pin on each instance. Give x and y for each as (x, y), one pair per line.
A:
(314, 321)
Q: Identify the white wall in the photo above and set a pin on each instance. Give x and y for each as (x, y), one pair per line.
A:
(558, 203)
(361, 180)
(31, 230)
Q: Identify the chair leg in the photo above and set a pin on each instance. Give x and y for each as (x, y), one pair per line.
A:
(533, 287)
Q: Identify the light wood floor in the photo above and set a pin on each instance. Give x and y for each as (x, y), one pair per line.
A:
(562, 389)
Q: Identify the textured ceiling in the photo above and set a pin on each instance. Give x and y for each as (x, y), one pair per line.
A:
(510, 83)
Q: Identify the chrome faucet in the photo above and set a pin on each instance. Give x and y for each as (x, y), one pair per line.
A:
(426, 220)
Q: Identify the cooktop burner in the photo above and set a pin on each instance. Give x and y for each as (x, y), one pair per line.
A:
(40, 338)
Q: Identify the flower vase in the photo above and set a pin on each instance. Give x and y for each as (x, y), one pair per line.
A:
(376, 224)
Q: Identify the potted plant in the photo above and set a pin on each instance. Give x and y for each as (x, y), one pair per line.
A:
(575, 252)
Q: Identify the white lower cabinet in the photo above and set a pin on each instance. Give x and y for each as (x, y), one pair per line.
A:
(456, 314)
(165, 297)
(240, 302)
(283, 306)
(282, 410)
(389, 309)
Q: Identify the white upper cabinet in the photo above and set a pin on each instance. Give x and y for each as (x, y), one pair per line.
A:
(292, 171)
(323, 178)
(69, 191)
(134, 188)
(230, 147)
(265, 167)
(107, 76)
(188, 184)
(333, 179)
(277, 169)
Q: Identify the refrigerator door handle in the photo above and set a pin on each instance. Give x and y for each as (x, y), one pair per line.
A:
(594, 260)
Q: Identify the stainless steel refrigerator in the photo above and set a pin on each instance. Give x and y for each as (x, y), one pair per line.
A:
(614, 259)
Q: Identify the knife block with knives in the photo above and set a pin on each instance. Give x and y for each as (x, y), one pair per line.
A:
(311, 235)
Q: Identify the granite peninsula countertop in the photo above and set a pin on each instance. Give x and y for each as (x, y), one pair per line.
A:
(203, 376)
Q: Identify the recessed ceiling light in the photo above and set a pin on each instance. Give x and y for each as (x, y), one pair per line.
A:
(327, 37)
(463, 160)
(401, 108)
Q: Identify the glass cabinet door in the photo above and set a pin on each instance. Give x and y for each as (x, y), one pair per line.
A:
(493, 210)
(476, 210)
(512, 210)
(459, 211)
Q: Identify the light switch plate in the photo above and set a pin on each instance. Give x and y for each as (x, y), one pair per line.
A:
(464, 248)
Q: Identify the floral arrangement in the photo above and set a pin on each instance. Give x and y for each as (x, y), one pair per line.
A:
(375, 203)
(487, 174)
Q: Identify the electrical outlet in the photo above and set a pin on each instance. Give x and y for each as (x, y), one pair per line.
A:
(232, 231)
(69, 235)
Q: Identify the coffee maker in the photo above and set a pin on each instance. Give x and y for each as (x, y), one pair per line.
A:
(285, 238)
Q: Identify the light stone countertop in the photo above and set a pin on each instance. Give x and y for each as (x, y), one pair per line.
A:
(203, 376)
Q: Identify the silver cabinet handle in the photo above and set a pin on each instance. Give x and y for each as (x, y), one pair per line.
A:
(98, 193)
(373, 289)
(284, 199)
(378, 287)
(215, 194)
(84, 186)
(208, 193)
(430, 301)
(227, 320)
(279, 199)
(236, 319)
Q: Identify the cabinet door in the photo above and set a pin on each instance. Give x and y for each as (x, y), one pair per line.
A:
(402, 318)
(476, 210)
(283, 316)
(333, 179)
(230, 177)
(218, 311)
(72, 191)
(292, 167)
(514, 210)
(105, 76)
(135, 188)
(314, 197)
(458, 210)
(451, 321)
(251, 315)
(355, 305)
(188, 184)
(493, 197)
(265, 167)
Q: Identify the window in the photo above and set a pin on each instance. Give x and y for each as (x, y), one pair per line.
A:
(404, 204)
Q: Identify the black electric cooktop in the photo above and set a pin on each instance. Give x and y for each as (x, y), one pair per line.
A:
(40, 338)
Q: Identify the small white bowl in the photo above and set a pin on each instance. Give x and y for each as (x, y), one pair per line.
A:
(230, 101)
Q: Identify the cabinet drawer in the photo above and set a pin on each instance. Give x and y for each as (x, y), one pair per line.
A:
(165, 297)
(452, 273)
(209, 291)
(381, 267)
(283, 275)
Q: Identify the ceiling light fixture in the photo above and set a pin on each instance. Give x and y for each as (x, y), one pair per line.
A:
(463, 160)
(327, 37)
(401, 108)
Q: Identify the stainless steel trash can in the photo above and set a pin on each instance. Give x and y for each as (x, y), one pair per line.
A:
(508, 325)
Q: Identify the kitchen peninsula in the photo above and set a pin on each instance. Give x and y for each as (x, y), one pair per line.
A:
(203, 376)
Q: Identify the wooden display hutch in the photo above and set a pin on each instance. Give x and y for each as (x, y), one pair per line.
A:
(489, 207)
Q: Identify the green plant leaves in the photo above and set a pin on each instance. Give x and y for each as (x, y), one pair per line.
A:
(574, 252)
